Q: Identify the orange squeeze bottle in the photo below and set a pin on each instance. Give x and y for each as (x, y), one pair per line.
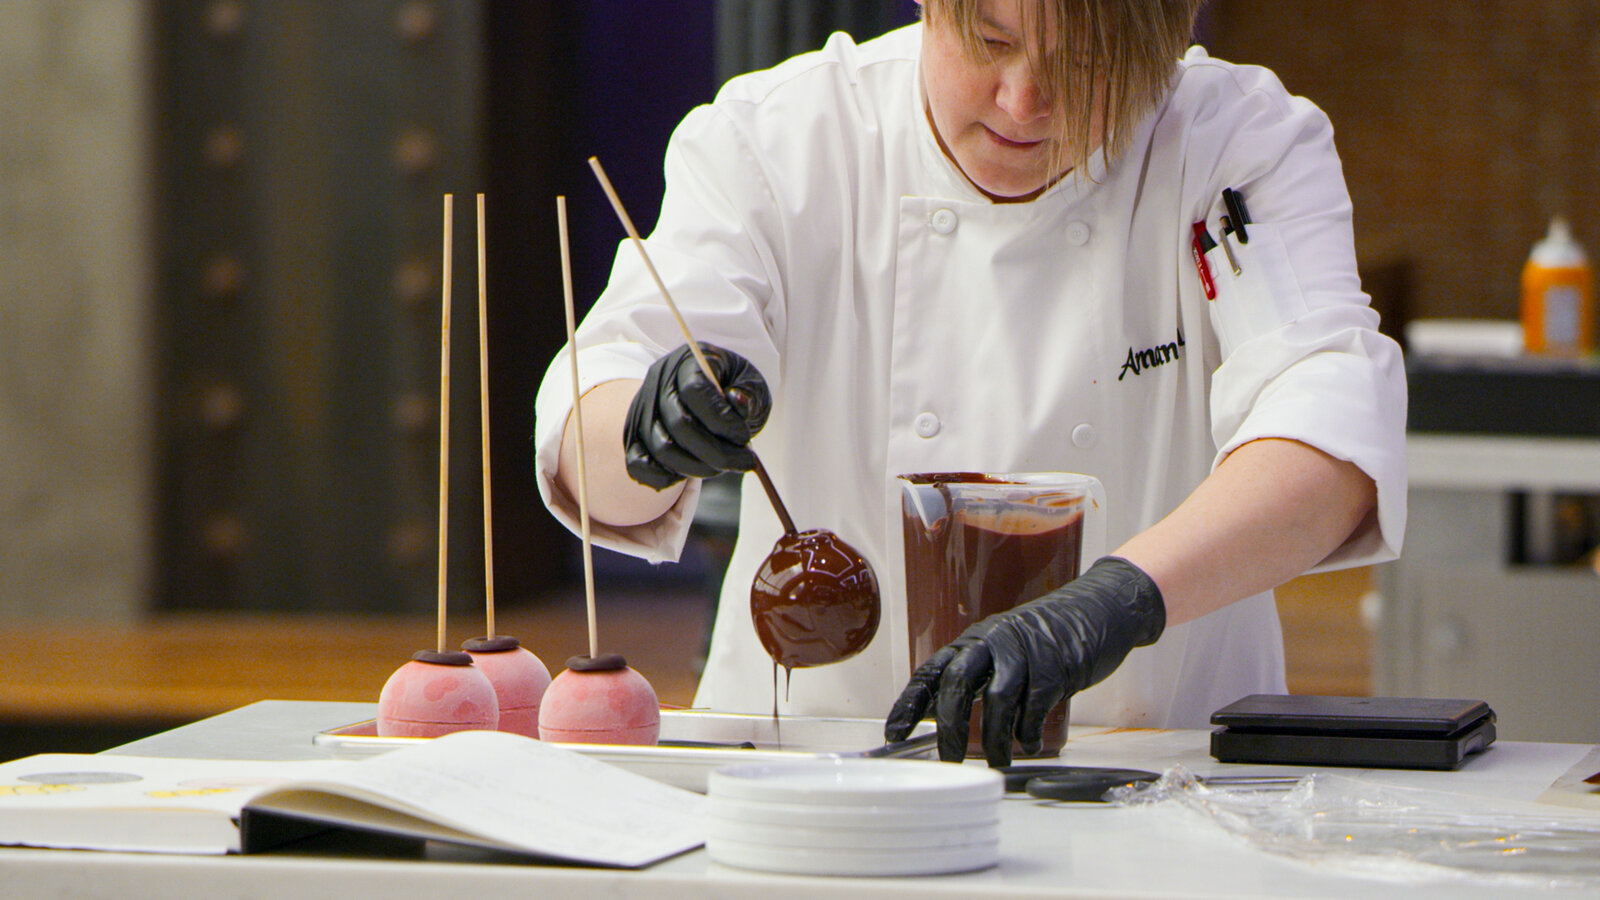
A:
(1558, 316)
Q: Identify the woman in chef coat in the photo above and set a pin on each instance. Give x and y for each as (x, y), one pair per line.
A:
(968, 245)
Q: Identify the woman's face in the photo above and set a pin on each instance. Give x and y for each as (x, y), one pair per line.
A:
(993, 118)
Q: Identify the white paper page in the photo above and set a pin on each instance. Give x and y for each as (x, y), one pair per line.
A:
(1579, 786)
(526, 795)
(135, 803)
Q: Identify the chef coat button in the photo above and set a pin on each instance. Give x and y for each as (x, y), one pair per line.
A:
(943, 221)
(927, 425)
(1077, 233)
(1083, 437)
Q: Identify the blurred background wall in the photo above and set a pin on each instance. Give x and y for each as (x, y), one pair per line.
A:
(220, 228)
(1463, 128)
(77, 393)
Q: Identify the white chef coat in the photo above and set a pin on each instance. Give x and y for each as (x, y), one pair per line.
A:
(906, 323)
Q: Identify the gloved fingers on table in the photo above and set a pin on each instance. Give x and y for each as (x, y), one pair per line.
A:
(1028, 659)
(963, 677)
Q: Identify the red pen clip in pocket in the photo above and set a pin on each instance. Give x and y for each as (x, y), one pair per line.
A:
(1200, 244)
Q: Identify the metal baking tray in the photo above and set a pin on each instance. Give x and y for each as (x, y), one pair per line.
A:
(694, 742)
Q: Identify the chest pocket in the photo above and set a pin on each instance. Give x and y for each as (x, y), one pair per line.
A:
(1262, 296)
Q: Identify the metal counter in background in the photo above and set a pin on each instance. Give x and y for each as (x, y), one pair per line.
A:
(1495, 595)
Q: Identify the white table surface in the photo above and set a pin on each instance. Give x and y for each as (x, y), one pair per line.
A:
(1046, 849)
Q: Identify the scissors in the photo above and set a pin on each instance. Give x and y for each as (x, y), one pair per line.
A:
(1090, 784)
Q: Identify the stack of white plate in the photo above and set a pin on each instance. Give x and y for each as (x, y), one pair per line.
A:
(855, 817)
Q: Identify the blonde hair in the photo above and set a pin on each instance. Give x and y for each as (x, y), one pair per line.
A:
(1114, 57)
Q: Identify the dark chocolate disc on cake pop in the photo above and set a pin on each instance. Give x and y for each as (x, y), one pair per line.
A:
(443, 657)
(494, 643)
(605, 662)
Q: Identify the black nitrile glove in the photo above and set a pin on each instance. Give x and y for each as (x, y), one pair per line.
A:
(680, 426)
(1030, 658)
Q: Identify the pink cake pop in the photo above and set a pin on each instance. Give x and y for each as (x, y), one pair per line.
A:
(600, 700)
(519, 677)
(439, 691)
(520, 680)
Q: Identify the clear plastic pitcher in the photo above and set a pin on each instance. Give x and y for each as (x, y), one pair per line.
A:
(978, 544)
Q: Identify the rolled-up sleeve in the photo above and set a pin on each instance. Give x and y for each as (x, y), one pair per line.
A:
(1331, 381)
(1302, 355)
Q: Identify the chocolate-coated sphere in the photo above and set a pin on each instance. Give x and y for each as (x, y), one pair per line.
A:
(815, 600)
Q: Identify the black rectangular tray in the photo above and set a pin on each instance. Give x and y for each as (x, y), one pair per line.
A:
(1372, 732)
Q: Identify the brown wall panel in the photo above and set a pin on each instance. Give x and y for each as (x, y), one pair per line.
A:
(1463, 127)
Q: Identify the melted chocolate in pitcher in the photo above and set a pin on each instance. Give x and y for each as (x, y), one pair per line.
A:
(978, 559)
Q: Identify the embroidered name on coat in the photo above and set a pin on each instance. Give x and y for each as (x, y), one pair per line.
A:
(1159, 355)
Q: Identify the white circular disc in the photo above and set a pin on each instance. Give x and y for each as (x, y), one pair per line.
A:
(815, 861)
(781, 837)
(857, 818)
(855, 781)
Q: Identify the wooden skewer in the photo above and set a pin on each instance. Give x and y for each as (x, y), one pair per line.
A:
(633, 234)
(694, 345)
(444, 413)
(483, 402)
(577, 421)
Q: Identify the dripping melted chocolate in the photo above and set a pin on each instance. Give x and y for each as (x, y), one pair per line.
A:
(815, 601)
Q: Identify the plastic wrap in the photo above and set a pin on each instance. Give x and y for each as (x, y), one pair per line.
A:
(1396, 833)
